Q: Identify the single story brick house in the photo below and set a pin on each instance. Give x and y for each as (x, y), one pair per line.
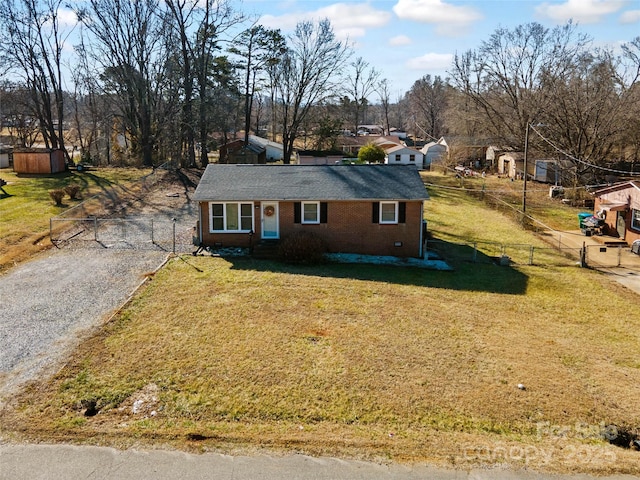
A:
(362, 209)
(619, 206)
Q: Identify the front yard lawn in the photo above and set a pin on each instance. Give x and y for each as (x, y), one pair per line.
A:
(487, 365)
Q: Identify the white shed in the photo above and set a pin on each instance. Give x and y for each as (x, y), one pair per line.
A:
(274, 151)
(435, 152)
(4, 157)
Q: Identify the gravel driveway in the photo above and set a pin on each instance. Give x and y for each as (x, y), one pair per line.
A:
(48, 303)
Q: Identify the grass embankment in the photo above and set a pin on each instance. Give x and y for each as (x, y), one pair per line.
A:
(362, 361)
(26, 209)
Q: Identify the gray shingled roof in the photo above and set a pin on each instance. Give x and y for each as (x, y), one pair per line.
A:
(310, 182)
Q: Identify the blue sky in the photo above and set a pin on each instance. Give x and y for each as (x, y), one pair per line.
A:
(407, 39)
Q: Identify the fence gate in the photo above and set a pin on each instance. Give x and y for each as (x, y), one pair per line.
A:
(603, 256)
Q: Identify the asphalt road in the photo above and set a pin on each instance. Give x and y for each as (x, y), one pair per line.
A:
(53, 462)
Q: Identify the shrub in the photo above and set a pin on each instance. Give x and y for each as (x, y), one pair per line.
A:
(371, 153)
(302, 247)
(72, 190)
(57, 196)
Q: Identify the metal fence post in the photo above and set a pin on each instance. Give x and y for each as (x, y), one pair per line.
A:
(152, 239)
(95, 228)
(531, 255)
(174, 236)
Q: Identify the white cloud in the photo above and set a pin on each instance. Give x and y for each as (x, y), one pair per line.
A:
(431, 61)
(399, 41)
(67, 17)
(349, 20)
(630, 16)
(581, 11)
(450, 20)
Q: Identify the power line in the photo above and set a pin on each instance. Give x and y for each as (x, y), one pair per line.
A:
(623, 172)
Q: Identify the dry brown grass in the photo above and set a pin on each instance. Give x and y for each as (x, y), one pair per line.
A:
(370, 362)
(362, 361)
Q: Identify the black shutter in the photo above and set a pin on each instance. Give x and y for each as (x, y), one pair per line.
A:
(402, 212)
(375, 216)
(323, 212)
(297, 212)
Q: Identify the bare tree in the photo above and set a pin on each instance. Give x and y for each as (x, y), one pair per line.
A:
(217, 17)
(34, 39)
(384, 94)
(428, 102)
(181, 19)
(361, 82)
(18, 114)
(305, 76)
(585, 119)
(504, 76)
(127, 39)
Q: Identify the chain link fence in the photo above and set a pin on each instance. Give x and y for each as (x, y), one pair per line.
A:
(503, 254)
(102, 221)
(610, 256)
(141, 233)
(595, 256)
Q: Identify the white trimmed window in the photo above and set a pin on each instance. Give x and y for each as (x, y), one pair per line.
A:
(635, 219)
(310, 212)
(231, 217)
(388, 212)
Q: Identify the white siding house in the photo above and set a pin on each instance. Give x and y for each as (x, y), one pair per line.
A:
(401, 155)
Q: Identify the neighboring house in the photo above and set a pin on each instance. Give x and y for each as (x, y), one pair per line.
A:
(619, 206)
(351, 145)
(396, 132)
(38, 160)
(274, 151)
(319, 157)
(237, 152)
(435, 152)
(401, 155)
(362, 209)
(370, 130)
(259, 150)
(387, 141)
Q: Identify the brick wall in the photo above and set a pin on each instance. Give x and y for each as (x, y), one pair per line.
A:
(349, 229)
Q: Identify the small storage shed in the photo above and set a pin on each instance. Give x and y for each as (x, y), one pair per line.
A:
(38, 160)
(4, 157)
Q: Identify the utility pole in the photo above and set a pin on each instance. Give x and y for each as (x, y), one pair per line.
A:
(526, 153)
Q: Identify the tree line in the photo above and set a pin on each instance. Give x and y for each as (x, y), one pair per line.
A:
(149, 81)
